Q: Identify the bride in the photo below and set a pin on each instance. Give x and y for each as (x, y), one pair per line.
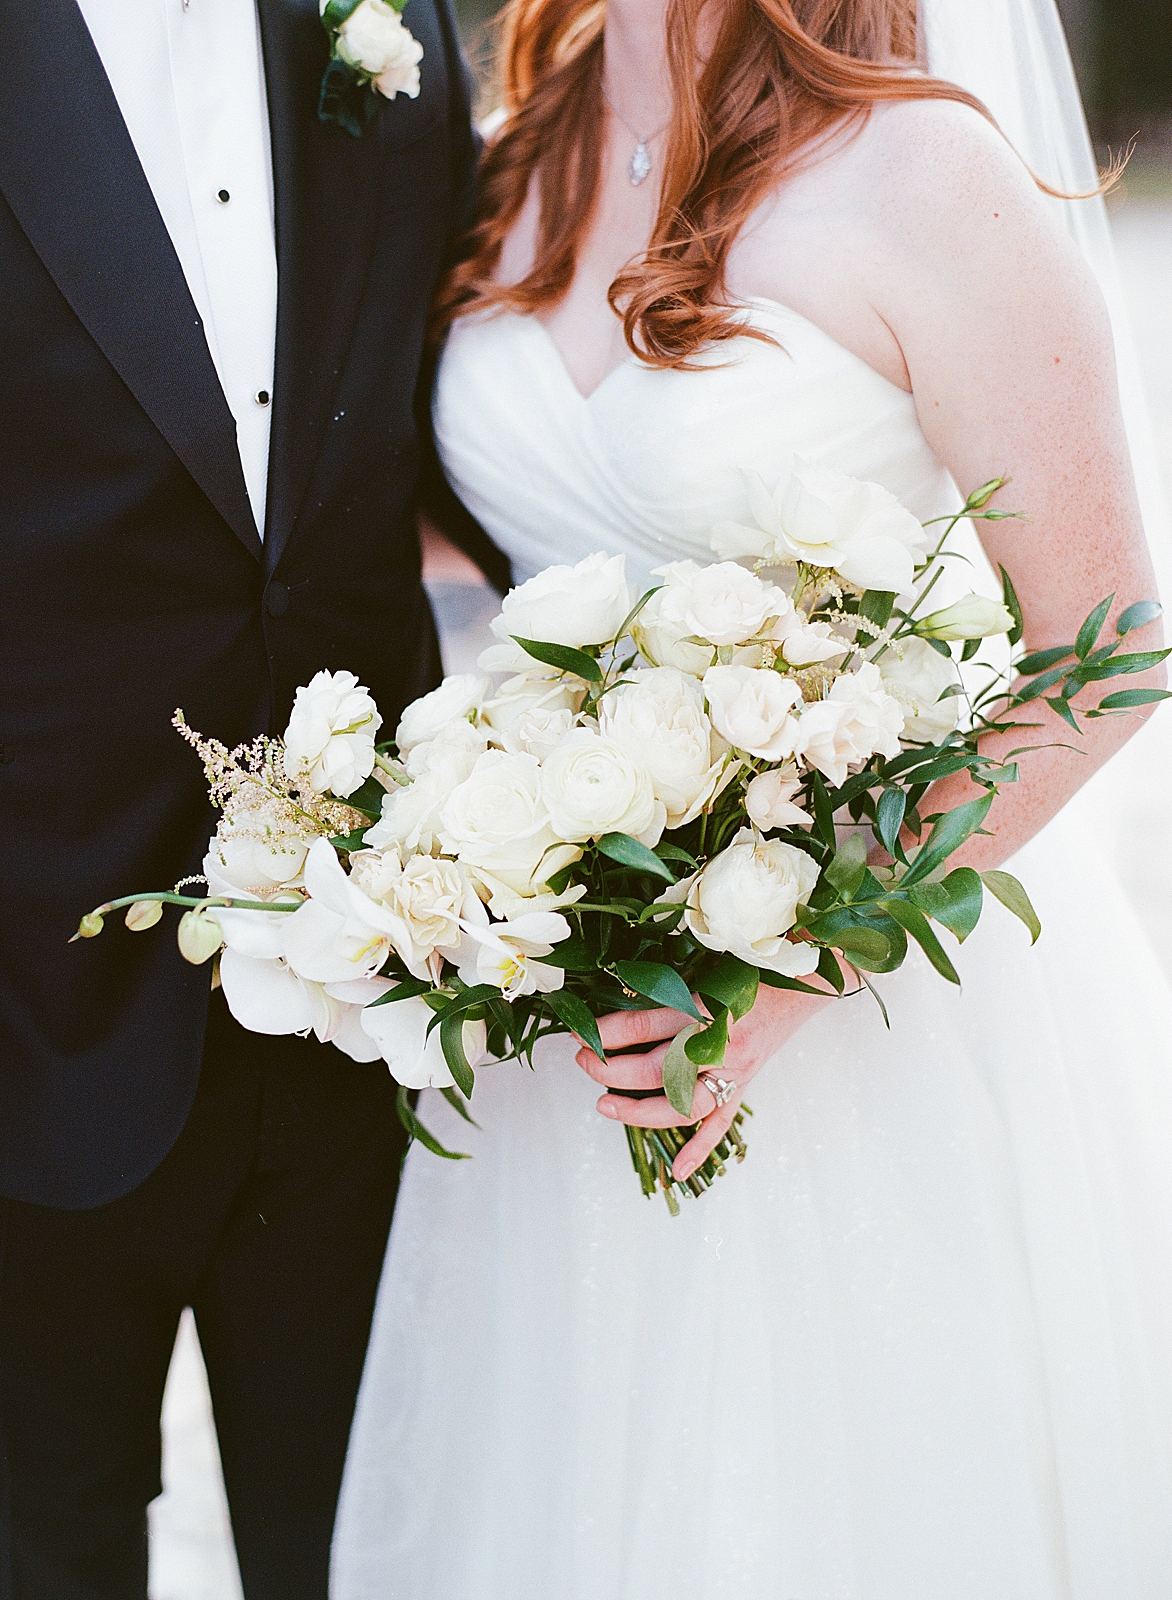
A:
(916, 1347)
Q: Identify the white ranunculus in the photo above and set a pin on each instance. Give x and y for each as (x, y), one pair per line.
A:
(973, 617)
(399, 1029)
(917, 682)
(425, 897)
(827, 519)
(508, 954)
(374, 40)
(658, 717)
(532, 711)
(745, 902)
(577, 606)
(857, 720)
(331, 733)
(592, 786)
(497, 823)
(722, 603)
(769, 801)
(339, 933)
(457, 699)
(754, 709)
(411, 815)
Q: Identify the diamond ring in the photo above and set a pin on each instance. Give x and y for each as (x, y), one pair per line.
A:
(721, 1089)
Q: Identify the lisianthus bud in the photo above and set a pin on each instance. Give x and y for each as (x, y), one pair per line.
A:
(143, 914)
(89, 927)
(200, 935)
(974, 617)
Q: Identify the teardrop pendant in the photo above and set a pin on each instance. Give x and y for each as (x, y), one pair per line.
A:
(640, 164)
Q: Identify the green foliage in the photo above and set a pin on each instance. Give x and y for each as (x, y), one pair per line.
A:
(659, 982)
(629, 852)
(563, 657)
(1014, 898)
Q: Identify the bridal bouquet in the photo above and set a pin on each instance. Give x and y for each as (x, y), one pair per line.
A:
(662, 800)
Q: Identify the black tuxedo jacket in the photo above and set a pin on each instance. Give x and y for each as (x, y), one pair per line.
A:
(132, 579)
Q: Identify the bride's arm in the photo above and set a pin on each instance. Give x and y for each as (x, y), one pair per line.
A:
(1008, 349)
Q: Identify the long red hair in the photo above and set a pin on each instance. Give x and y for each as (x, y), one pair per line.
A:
(781, 74)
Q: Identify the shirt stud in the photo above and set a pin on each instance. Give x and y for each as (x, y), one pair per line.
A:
(223, 196)
(263, 397)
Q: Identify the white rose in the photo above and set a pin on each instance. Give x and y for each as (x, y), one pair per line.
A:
(827, 519)
(416, 1060)
(745, 901)
(496, 822)
(592, 786)
(374, 40)
(531, 712)
(973, 617)
(425, 898)
(753, 708)
(331, 733)
(577, 606)
(857, 720)
(663, 635)
(804, 643)
(917, 682)
(769, 800)
(253, 866)
(456, 700)
(657, 716)
(722, 603)
(411, 815)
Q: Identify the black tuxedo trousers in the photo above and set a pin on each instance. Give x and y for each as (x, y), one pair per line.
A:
(140, 1167)
(269, 1217)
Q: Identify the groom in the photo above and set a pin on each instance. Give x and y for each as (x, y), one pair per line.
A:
(211, 328)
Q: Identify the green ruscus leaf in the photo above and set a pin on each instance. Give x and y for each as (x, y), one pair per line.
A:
(946, 836)
(1014, 898)
(578, 1018)
(629, 852)
(563, 657)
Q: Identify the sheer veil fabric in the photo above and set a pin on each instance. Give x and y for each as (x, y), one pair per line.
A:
(916, 1347)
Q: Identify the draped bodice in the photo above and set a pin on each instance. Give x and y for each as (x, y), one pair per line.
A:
(653, 457)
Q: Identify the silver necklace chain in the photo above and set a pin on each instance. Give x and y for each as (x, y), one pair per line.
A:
(640, 163)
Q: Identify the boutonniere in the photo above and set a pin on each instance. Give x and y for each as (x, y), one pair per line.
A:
(371, 53)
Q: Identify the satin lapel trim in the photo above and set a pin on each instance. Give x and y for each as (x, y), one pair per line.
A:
(69, 171)
(326, 226)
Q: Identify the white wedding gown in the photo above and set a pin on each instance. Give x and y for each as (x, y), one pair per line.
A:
(918, 1346)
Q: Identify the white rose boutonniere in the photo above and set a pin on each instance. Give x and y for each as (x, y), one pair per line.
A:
(372, 54)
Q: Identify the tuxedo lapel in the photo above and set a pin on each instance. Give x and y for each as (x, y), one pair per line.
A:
(325, 182)
(69, 172)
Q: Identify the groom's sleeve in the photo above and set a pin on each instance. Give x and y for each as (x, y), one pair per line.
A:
(436, 497)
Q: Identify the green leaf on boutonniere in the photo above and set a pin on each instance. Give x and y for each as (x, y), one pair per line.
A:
(346, 98)
(337, 12)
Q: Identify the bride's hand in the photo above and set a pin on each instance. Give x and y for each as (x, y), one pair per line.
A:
(775, 1018)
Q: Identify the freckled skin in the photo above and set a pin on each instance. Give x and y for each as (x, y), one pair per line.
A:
(920, 243)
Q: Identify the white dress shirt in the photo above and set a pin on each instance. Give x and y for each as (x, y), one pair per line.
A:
(189, 80)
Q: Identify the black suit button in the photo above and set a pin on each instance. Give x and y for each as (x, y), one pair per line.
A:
(276, 598)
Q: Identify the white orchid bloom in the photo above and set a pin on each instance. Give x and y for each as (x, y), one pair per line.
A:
(415, 1056)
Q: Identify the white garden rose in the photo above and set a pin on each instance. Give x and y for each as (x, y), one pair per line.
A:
(531, 712)
(826, 519)
(331, 733)
(254, 866)
(374, 40)
(973, 617)
(425, 897)
(658, 717)
(577, 606)
(745, 902)
(754, 708)
(592, 786)
(663, 635)
(802, 643)
(916, 677)
(769, 800)
(415, 1057)
(857, 720)
(722, 603)
(457, 699)
(497, 824)
(411, 814)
